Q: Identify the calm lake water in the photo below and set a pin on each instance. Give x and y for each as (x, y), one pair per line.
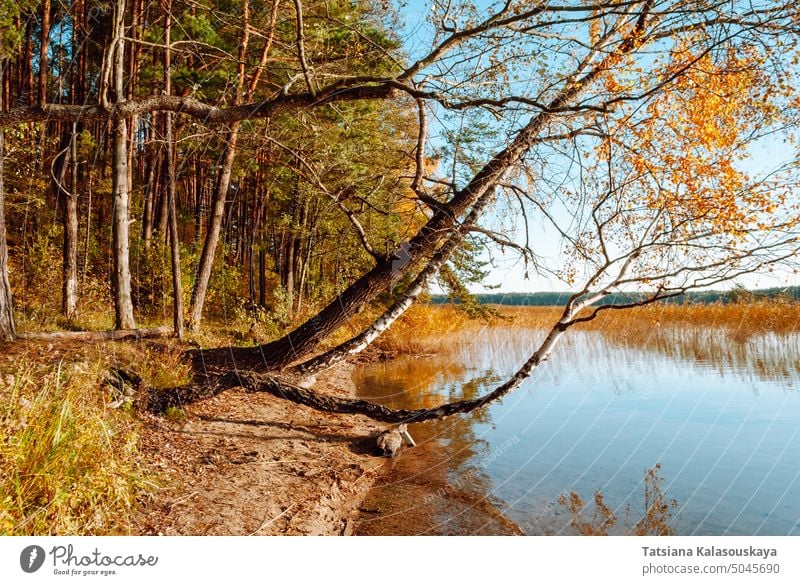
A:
(720, 415)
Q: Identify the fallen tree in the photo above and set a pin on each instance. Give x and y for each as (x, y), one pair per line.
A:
(581, 307)
(114, 335)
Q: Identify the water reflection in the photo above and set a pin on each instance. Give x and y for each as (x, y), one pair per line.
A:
(719, 413)
(771, 356)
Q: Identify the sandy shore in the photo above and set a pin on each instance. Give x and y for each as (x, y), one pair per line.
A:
(252, 464)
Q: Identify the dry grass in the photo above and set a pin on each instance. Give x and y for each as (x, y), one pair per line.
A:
(425, 328)
(68, 464)
(598, 522)
(746, 337)
(742, 319)
(428, 329)
(432, 328)
(161, 365)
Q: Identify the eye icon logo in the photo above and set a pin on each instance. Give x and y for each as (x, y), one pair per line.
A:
(31, 558)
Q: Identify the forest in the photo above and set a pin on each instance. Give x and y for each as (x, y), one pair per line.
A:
(279, 204)
(305, 171)
(555, 299)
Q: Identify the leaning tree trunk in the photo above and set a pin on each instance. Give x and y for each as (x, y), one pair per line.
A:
(361, 341)
(212, 234)
(121, 278)
(306, 338)
(158, 400)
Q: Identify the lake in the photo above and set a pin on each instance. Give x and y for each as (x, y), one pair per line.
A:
(719, 415)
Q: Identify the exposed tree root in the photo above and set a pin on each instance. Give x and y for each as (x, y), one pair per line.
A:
(158, 401)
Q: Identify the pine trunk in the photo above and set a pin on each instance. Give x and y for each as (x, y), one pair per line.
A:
(121, 278)
(7, 329)
(44, 43)
(212, 233)
(169, 160)
(68, 203)
(211, 241)
(69, 297)
(149, 188)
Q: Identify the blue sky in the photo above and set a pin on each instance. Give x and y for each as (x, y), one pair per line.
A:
(509, 272)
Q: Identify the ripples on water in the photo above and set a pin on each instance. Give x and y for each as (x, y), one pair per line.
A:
(720, 415)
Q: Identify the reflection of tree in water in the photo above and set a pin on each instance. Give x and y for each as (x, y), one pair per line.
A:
(439, 486)
(415, 383)
(456, 438)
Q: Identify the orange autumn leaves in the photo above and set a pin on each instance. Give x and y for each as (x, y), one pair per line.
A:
(686, 147)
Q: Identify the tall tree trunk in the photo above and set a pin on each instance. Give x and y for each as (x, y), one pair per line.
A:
(229, 223)
(89, 188)
(199, 189)
(69, 297)
(251, 277)
(203, 275)
(69, 208)
(26, 96)
(149, 188)
(262, 278)
(161, 221)
(69, 292)
(7, 329)
(123, 302)
(289, 260)
(261, 240)
(302, 255)
(44, 44)
(177, 286)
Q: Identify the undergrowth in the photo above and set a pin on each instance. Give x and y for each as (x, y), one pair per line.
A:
(68, 463)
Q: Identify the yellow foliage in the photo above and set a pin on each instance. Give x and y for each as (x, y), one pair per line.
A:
(686, 148)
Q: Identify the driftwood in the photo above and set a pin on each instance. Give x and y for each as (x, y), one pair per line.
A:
(163, 331)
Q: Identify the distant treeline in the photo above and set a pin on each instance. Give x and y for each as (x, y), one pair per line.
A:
(550, 299)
